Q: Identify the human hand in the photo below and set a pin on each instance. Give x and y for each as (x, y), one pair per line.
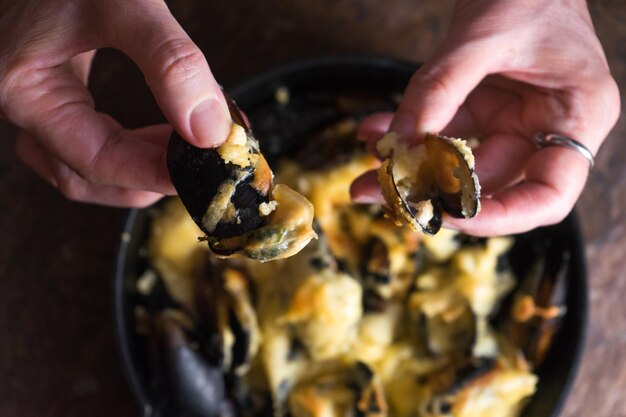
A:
(45, 56)
(507, 70)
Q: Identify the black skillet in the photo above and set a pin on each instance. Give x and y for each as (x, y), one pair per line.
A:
(314, 87)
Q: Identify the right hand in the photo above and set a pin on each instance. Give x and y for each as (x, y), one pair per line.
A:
(507, 70)
(45, 56)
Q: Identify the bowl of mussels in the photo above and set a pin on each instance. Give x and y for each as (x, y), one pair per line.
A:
(262, 290)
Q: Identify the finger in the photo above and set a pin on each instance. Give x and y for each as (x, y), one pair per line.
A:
(71, 184)
(554, 179)
(55, 107)
(80, 65)
(176, 71)
(501, 161)
(462, 125)
(372, 128)
(365, 189)
(35, 157)
(437, 89)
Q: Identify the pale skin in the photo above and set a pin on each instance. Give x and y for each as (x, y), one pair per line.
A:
(45, 55)
(506, 70)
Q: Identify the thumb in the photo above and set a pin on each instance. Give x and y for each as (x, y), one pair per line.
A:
(177, 73)
(437, 90)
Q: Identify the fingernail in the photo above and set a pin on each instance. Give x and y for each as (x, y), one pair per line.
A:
(210, 126)
(404, 125)
(365, 199)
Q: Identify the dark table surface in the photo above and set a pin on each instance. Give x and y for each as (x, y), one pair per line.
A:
(57, 349)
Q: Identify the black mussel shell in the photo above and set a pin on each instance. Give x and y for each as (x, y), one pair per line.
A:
(198, 173)
(196, 388)
(545, 282)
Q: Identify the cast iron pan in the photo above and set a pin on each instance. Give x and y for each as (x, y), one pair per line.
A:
(314, 86)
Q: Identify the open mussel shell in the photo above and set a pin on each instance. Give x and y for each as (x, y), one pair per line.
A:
(444, 181)
(399, 208)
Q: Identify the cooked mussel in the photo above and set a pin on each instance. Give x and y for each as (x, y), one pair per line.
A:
(229, 193)
(195, 385)
(288, 229)
(480, 388)
(351, 391)
(539, 304)
(221, 187)
(420, 183)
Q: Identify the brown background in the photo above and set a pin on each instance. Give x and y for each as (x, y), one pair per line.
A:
(57, 350)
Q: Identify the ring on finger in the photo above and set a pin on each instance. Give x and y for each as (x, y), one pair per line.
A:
(542, 140)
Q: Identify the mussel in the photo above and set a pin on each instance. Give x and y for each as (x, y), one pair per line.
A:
(480, 388)
(195, 386)
(230, 194)
(199, 357)
(539, 304)
(354, 391)
(420, 183)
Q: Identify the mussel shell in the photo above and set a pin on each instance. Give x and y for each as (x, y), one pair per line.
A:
(545, 280)
(464, 201)
(352, 391)
(370, 398)
(399, 209)
(197, 175)
(270, 249)
(470, 372)
(442, 402)
(196, 387)
(446, 178)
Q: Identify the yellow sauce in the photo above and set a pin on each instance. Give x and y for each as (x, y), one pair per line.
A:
(311, 317)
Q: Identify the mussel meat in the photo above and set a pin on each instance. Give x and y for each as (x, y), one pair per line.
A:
(420, 183)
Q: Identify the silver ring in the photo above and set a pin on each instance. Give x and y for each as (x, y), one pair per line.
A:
(541, 140)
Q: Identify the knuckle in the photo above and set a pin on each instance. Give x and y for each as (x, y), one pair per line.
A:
(597, 109)
(105, 162)
(72, 187)
(432, 83)
(84, 173)
(611, 94)
(13, 78)
(179, 60)
(73, 183)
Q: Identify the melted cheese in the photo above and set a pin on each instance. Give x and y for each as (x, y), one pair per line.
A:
(219, 205)
(312, 324)
(235, 149)
(175, 253)
(407, 160)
